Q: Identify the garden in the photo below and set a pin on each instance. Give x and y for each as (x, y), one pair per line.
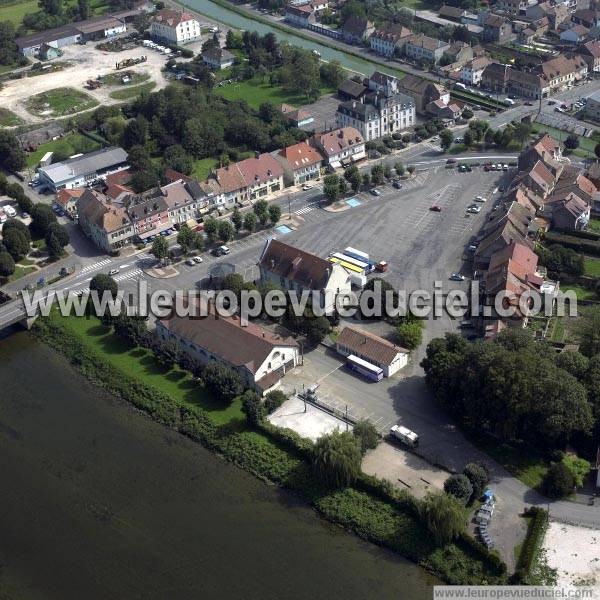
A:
(59, 102)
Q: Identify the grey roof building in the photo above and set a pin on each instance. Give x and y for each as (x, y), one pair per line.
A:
(82, 170)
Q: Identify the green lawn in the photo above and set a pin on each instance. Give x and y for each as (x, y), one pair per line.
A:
(581, 292)
(16, 11)
(21, 271)
(558, 330)
(140, 363)
(256, 91)
(132, 92)
(117, 79)
(592, 267)
(59, 102)
(594, 225)
(586, 145)
(203, 167)
(8, 118)
(523, 464)
(74, 143)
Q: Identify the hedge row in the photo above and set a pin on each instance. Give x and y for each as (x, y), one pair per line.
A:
(579, 233)
(584, 246)
(533, 540)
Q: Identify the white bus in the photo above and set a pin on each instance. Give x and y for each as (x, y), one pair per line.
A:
(364, 368)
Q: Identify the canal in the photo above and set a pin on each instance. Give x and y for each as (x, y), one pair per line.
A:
(237, 21)
(99, 502)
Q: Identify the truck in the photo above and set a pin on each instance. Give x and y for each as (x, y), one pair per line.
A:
(404, 435)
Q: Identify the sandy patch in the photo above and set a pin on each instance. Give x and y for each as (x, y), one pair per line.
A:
(575, 553)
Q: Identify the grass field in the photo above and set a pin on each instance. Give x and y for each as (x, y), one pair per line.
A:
(21, 271)
(203, 167)
(585, 144)
(74, 143)
(8, 118)
(16, 11)
(581, 292)
(592, 267)
(594, 225)
(117, 79)
(132, 92)
(256, 91)
(59, 102)
(140, 363)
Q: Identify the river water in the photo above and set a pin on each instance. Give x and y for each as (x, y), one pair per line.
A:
(98, 501)
(238, 21)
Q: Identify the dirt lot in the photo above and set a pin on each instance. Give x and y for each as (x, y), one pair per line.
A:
(86, 63)
(575, 553)
(404, 469)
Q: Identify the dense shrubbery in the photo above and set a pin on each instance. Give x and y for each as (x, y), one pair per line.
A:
(558, 259)
(585, 246)
(532, 543)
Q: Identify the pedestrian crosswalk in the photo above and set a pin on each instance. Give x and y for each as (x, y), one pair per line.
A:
(97, 265)
(136, 273)
(306, 209)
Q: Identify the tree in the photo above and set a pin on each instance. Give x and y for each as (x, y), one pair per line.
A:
(185, 238)
(12, 156)
(7, 264)
(521, 132)
(478, 475)
(409, 334)
(467, 113)
(237, 219)
(51, 7)
(572, 142)
(273, 400)
(332, 73)
(597, 150)
(337, 459)
(55, 250)
(411, 169)
(83, 8)
(178, 159)
(16, 243)
(468, 138)
(226, 231)
(366, 434)
(166, 353)
(18, 225)
(459, 486)
(274, 213)
(587, 330)
(352, 176)
(558, 482)
(573, 362)
(331, 187)
(261, 210)
(224, 383)
(136, 133)
(377, 174)
(211, 229)
(233, 282)
(316, 329)
(198, 241)
(102, 282)
(399, 167)
(160, 248)
(446, 139)
(61, 233)
(252, 407)
(443, 517)
(250, 222)
(579, 468)
(41, 218)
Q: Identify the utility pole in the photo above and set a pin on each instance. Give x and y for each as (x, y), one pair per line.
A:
(346, 417)
(289, 207)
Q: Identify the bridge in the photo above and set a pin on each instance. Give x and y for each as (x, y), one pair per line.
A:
(13, 312)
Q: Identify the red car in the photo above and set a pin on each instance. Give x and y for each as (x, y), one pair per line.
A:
(450, 161)
(436, 208)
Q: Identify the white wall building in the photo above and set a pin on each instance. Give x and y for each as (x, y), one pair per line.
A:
(175, 27)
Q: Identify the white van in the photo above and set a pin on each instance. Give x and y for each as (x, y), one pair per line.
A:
(509, 101)
(405, 435)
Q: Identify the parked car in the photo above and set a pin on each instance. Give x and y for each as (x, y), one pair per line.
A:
(375, 192)
(450, 161)
(474, 209)
(113, 272)
(436, 208)
(480, 199)
(197, 259)
(306, 187)
(457, 277)
(220, 251)
(397, 185)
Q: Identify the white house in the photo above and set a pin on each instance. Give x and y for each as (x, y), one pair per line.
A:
(472, 72)
(259, 356)
(293, 269)
(175, 27)
(372, 348)
(301, 163)
(345, 145)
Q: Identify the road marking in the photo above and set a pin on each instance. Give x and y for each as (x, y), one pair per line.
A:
(308, 208)
(96, 265)
(129, 275)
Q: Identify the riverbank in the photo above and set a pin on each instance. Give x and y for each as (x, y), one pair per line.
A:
(271, 454)
(102, 502)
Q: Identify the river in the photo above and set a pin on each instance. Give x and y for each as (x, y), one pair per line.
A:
(98, 501)
(238, 21)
